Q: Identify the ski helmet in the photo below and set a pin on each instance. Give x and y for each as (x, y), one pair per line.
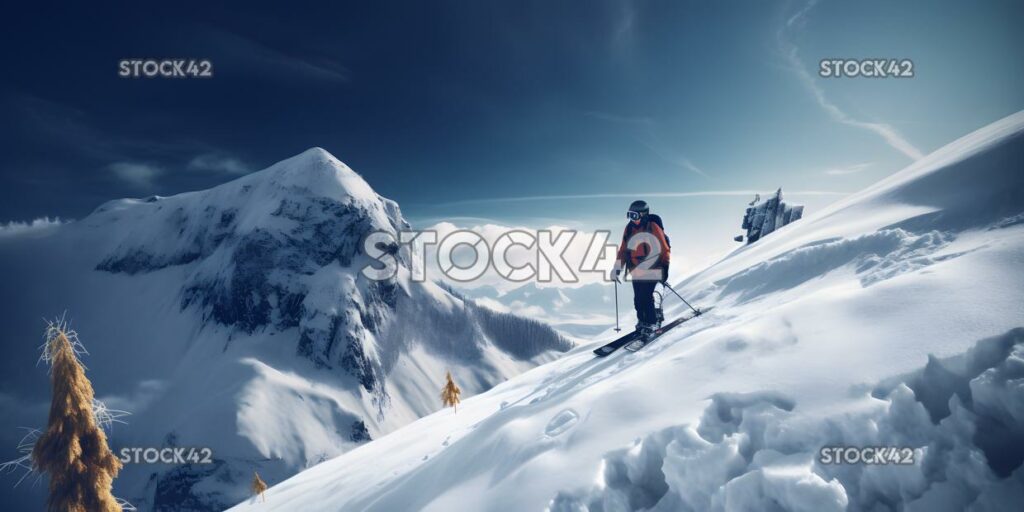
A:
(639, 207)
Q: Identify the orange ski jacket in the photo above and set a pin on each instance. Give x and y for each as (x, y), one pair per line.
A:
(631, 254)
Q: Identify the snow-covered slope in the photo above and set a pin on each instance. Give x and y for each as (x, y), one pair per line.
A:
(236, 318)
(892, 318)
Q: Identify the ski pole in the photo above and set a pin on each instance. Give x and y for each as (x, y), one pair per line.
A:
(681, 298)
(617, 329)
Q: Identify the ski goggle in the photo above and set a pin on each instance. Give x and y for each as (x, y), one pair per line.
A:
(633, 215)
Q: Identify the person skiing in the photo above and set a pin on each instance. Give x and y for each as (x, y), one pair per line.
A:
(645, 253)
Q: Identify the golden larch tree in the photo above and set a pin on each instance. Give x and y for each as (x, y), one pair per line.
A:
(73, 450)
(450, 393)
(258, 486)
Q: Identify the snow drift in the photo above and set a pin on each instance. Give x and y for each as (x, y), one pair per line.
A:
(892, 318)
(237, 318)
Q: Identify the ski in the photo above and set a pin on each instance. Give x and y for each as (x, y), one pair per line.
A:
(614, 345)
(637, 344)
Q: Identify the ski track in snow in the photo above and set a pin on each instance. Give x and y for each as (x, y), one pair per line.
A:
(587, 369)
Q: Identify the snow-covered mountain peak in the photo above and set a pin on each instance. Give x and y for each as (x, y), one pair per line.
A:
(318, 172)
(311, 180)
(244, 318)
(311, 199)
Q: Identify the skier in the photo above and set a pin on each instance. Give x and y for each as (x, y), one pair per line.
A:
(645, 253)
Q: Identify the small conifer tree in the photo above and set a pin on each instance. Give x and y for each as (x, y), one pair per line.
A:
(258, 486)
(450, 393)
(73, 449)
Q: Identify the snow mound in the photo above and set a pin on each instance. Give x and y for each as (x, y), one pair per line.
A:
(752, 452)
(875, 257)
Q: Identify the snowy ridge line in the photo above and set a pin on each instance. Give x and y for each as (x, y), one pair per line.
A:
(751, 452)
(961, 149)
(965, 184)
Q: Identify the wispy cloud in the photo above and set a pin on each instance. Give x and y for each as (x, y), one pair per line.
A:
(137, 399)
(691, 166)
(72, 128)
(218, 163)
(582, 250)
(645, 131)
(790, 53)
(274, 62)
(670, 157)
(704, 193)
(849, 169)
(624, 25)
(798, 18)
(141, 175)
(36, 226)
(460, 219)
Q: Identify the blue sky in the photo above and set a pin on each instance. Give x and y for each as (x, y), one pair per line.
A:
(460, 110)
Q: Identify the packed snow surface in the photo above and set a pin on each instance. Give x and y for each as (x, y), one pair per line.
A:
(892, 318)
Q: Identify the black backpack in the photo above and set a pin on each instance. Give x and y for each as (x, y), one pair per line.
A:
(655, 218)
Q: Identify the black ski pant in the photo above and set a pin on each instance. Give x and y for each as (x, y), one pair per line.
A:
(643, 301)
